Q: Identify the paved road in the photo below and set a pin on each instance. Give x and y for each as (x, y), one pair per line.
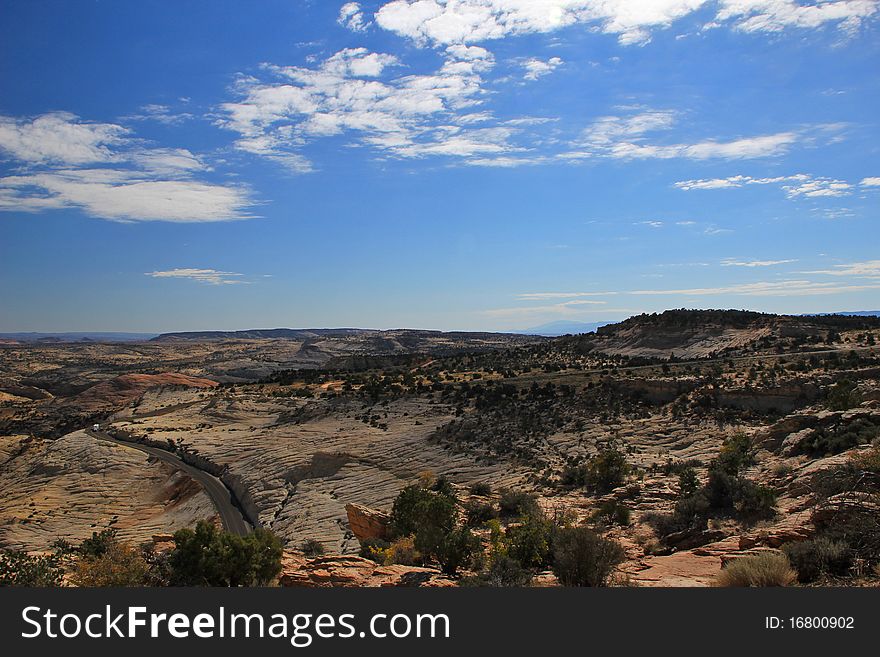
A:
(232, 519)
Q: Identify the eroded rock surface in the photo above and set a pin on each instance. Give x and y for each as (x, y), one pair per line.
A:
(73, 486)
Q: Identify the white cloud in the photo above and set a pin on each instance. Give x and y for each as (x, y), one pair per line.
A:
(865, 277)
(632, 21)
(626, 137)
(777, 15)
(868, 269)
(467, 21)
(870, 182)
(123, 196)
(543, 296)
(161, 114)
(565, 309)
(796, 185)
(409, 116)
(536, 68)
(793, 288)
(58, 138)
(99, 169)
(730, 262)
(352, 17)
(505, 162)
(209, 276)
(819, 187)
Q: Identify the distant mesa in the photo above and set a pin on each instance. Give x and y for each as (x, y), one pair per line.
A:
(311, 334)
(84, 336)
(261, 334)
(562, 327)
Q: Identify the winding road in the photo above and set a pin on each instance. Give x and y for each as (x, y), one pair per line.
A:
(230, 515)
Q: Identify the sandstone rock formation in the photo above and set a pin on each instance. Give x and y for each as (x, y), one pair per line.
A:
(76, 485)
(350, 571)
(367, 523)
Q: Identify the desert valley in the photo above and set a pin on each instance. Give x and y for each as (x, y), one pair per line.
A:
(689, 440)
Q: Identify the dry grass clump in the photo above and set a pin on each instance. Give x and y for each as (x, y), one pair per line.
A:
(767, 569)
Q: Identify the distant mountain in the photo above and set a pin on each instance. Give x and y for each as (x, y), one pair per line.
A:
(854, 313)
(84, 336)
(404, 337)
(562, 327)
(260, 334)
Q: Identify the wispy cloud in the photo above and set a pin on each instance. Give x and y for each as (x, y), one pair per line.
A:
(626, 137)
(102, 170)
(350, 94)
(59, 138)
(537, 68)
(868, 269)
(543, 296)
(161, 114)
(731, 262)
(789, 288)
(573, 308)
(352, 17)
(207, 276)
(799, 184)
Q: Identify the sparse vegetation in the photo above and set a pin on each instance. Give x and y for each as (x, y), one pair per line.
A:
(574, 420)
(818, 557)
(22, 569)
(207, 556)
(116, 565)
(583, 558)
(761, 570)
(312, 548)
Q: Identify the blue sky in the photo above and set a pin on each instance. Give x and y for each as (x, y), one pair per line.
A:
(467, 164)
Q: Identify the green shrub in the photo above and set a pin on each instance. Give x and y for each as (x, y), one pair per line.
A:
(427, 515)
(834, 440)
(688, 483)
(517, 503)
(736, 453)
(728, 492)
(606, 470)
(574, 476)
(458, 549)
(98, 544)
(529, 542)
(754, 501)
(613, 512)
(766, 569)
(502, 572)
(22, 569)
(583, 558)
(820, 556)
(859, 529)
(481, 489)
(208, 556)
(842, 396)
(479, 513)
(374, 549)
(410, 506)
(312, 548)
(443, 486)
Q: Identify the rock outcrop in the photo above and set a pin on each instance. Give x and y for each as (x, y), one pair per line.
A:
(73, 486)
(349, 571)
(367, 523)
